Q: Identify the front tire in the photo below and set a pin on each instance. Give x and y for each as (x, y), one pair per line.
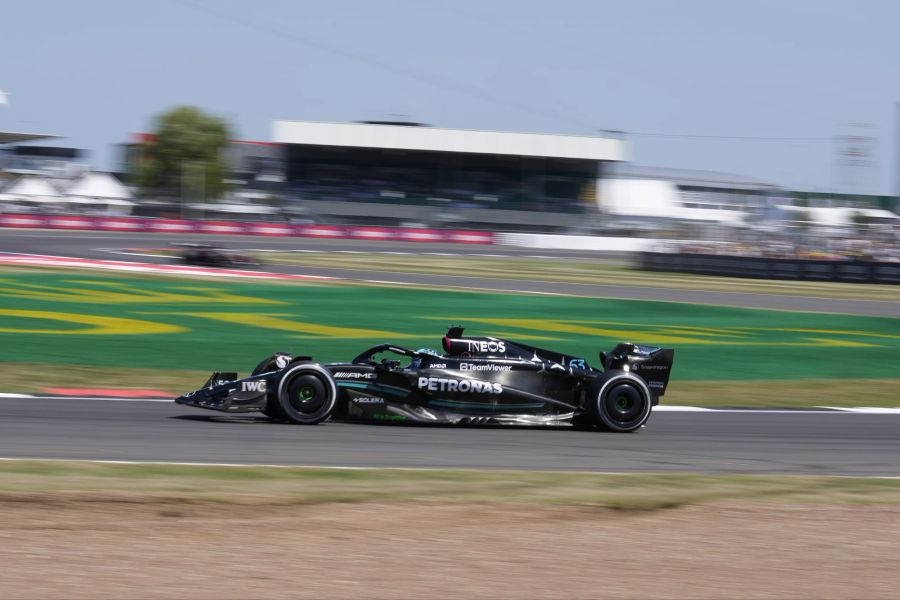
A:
(273, 409)
(306, 394)
(618, 401)
(276, 362)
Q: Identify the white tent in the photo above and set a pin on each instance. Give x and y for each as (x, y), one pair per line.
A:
(100, 191)
(33, 189)
(100, 186)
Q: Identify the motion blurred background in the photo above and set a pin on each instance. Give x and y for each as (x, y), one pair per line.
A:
(740, 129)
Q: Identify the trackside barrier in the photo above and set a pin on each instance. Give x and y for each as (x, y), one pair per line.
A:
(269, 229)
(71, 223)
(22, 220)
(471, 237)
(170, 226)
(120, 224)
(405, 234)
(320, 231)
(851, 271)
(370, 233)
(220, 227)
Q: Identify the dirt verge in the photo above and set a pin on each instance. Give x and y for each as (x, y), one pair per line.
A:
(70, 547)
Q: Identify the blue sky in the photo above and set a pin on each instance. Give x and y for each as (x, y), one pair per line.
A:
(95, 70)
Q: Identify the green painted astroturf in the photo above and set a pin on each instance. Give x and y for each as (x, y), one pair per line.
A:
(102, 320)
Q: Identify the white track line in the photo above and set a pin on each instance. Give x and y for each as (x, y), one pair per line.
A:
(100, 398)
(871, 410)
(136, 253)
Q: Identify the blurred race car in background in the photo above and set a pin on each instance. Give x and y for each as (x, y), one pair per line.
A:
(477, 380)
(206, 255)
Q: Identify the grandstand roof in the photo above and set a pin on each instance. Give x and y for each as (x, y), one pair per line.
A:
(689, 177)
(404, 137)
(12, 137)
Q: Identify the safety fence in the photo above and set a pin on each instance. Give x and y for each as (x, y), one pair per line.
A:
(851, 271)
(142, 224)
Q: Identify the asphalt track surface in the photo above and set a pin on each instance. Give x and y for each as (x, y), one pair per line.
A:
(98, 245)
(795, 442)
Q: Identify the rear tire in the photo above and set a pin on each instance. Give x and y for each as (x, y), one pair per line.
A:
(619, 402)
(307, 394)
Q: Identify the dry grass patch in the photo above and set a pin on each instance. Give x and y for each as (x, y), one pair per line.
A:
(76, 482)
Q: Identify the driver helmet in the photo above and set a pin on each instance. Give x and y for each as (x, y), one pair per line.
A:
(416, 361)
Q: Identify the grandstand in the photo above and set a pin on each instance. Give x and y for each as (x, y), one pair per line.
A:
(10, 156)
(395, 172)
(404, 173)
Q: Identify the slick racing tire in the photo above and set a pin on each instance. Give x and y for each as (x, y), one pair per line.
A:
(273, 408)
(619, 401)
(306, 394)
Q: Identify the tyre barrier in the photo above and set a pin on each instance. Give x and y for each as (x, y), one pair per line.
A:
(754, 267)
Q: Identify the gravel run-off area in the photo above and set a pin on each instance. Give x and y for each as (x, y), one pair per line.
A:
(61, 545)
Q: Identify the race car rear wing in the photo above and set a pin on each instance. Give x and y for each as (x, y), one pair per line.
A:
(652, 364)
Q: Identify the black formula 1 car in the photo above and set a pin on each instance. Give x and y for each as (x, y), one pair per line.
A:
(477, 380)
(206, 255)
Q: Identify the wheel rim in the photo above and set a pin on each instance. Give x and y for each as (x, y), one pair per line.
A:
(625, 405)
(307, 395)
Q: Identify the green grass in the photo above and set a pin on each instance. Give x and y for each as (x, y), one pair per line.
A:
(48, 481)
(160, 323)
(29, 377)
(577, 271)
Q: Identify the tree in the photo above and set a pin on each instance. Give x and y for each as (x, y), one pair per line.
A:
(184, 155)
